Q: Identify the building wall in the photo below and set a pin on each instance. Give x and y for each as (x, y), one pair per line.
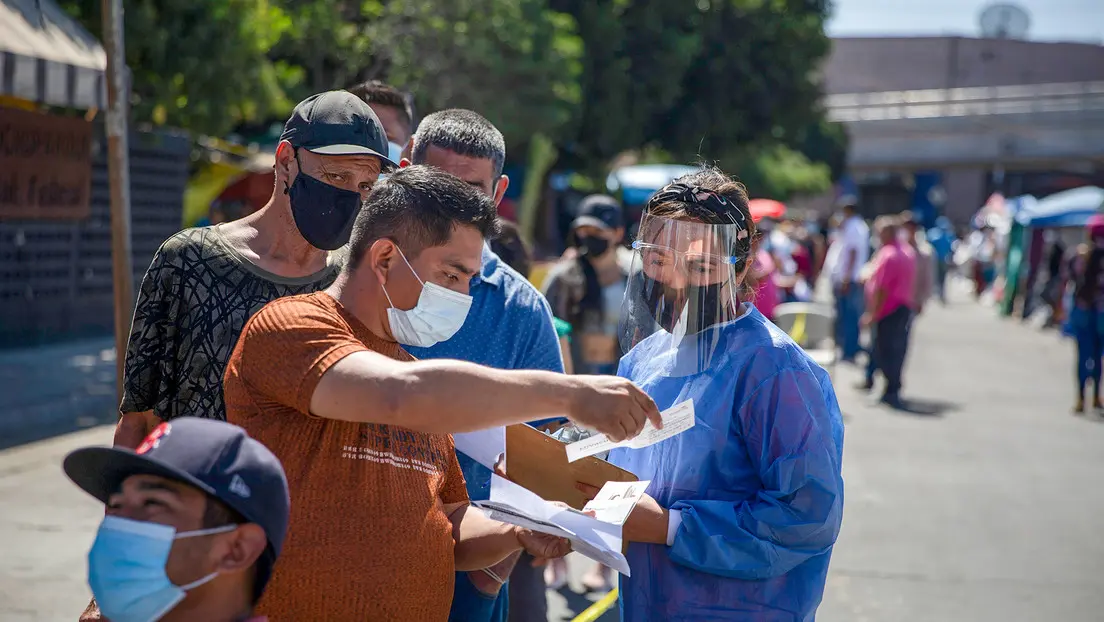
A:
(55, 276)
(965, 189)
(876, 64)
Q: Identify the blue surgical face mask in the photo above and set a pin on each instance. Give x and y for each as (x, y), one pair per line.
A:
(126, 569)
(394, 153)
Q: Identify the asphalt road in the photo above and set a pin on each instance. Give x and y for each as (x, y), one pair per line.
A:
(984, 504)
(987, 506)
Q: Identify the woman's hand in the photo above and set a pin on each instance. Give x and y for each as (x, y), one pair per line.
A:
(647, 522)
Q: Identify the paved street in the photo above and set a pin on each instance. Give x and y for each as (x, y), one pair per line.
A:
(990, 510)
(987, 508)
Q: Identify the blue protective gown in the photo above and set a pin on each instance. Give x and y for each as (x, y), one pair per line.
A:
(757, 480)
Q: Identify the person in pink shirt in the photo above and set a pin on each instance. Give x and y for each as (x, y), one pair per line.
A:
(766, 293)
(889, 300)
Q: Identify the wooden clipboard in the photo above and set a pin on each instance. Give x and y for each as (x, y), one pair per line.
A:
(539, 462)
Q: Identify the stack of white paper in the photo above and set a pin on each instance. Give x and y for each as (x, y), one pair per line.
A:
(597, 539)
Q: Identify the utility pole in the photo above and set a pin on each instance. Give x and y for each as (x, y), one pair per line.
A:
(118, 168)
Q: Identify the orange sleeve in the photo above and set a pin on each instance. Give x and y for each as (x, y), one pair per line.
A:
(288, 345)
(455, 489)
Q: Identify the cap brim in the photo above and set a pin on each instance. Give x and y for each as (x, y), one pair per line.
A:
(590, 221)
(100, 471)
(353, 150)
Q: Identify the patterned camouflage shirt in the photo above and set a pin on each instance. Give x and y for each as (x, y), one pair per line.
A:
(194, 302)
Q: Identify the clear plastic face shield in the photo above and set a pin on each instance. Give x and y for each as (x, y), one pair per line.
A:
(685, 280)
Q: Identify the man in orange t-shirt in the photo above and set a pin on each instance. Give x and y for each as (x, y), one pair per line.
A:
(380, 520)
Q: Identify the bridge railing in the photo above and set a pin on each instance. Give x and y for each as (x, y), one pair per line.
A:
(965, 102)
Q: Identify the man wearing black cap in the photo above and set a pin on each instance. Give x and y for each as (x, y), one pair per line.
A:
(204, 283)
(195, 521)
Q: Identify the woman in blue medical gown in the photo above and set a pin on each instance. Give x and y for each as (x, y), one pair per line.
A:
(743, 508)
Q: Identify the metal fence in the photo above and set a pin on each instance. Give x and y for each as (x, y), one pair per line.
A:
(55, 277)
(966, 102)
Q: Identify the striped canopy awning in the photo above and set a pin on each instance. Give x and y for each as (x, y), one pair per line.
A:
(47, 57)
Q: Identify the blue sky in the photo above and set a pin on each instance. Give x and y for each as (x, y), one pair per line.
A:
(1051, 20)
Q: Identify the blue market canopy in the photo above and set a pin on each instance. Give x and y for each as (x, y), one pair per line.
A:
(638, 183)
(1069, 208)
(48, 58)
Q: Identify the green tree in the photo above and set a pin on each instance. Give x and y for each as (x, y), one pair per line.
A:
(636, 53)
(202, 66)
(710, 79)
(752, 82)
(514, 61)
(330, 42)
(778, 172)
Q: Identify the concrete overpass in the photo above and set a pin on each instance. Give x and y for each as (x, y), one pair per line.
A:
(1038, 125)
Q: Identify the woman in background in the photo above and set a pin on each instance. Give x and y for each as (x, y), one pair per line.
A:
(587, 286)
(1086, 316)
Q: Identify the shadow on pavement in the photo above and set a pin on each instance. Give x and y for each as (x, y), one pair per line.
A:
(51, 390)
(925, 408)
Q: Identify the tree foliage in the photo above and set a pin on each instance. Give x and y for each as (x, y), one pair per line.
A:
(514, 61)
(203, 66)
(728, 81)
(778, 172)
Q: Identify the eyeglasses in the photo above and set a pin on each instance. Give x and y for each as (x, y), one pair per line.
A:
(661, 257)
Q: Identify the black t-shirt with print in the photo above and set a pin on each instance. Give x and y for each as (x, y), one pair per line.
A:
(194, 302)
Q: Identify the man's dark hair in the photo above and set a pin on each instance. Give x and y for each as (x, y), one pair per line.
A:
(376, 92)
(216, 514)
(462, 132)
(418, 207)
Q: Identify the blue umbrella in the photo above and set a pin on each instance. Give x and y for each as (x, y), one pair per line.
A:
(639, 182)
(1069, 208)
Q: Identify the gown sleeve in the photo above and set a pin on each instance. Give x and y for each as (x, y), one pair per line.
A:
(793, 432)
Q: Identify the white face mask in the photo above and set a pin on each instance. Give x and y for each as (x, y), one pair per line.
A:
(438, 316)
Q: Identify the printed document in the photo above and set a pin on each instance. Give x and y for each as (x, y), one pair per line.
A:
(676, 420)
(596, 539)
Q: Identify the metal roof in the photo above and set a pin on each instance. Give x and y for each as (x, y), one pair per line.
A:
(47, 57)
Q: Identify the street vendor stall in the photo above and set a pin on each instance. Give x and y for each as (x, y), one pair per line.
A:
(1066, 210)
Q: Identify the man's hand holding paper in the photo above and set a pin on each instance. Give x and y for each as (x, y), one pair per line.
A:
(674, 420)
(613, 406)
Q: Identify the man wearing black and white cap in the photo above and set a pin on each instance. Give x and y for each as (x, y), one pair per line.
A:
(205, 283)
(196, 518)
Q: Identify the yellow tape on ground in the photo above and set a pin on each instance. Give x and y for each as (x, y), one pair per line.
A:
(797, 331)
(595, 611)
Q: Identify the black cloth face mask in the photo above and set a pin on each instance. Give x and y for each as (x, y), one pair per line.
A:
(704, 301)
(590, 246)
(324, 214)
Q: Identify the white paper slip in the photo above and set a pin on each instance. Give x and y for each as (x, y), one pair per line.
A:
(616, 500)
(484, 446)
(676, 420)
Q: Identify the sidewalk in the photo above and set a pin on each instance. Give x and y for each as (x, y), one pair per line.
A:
(55, 389)
(46, 528)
